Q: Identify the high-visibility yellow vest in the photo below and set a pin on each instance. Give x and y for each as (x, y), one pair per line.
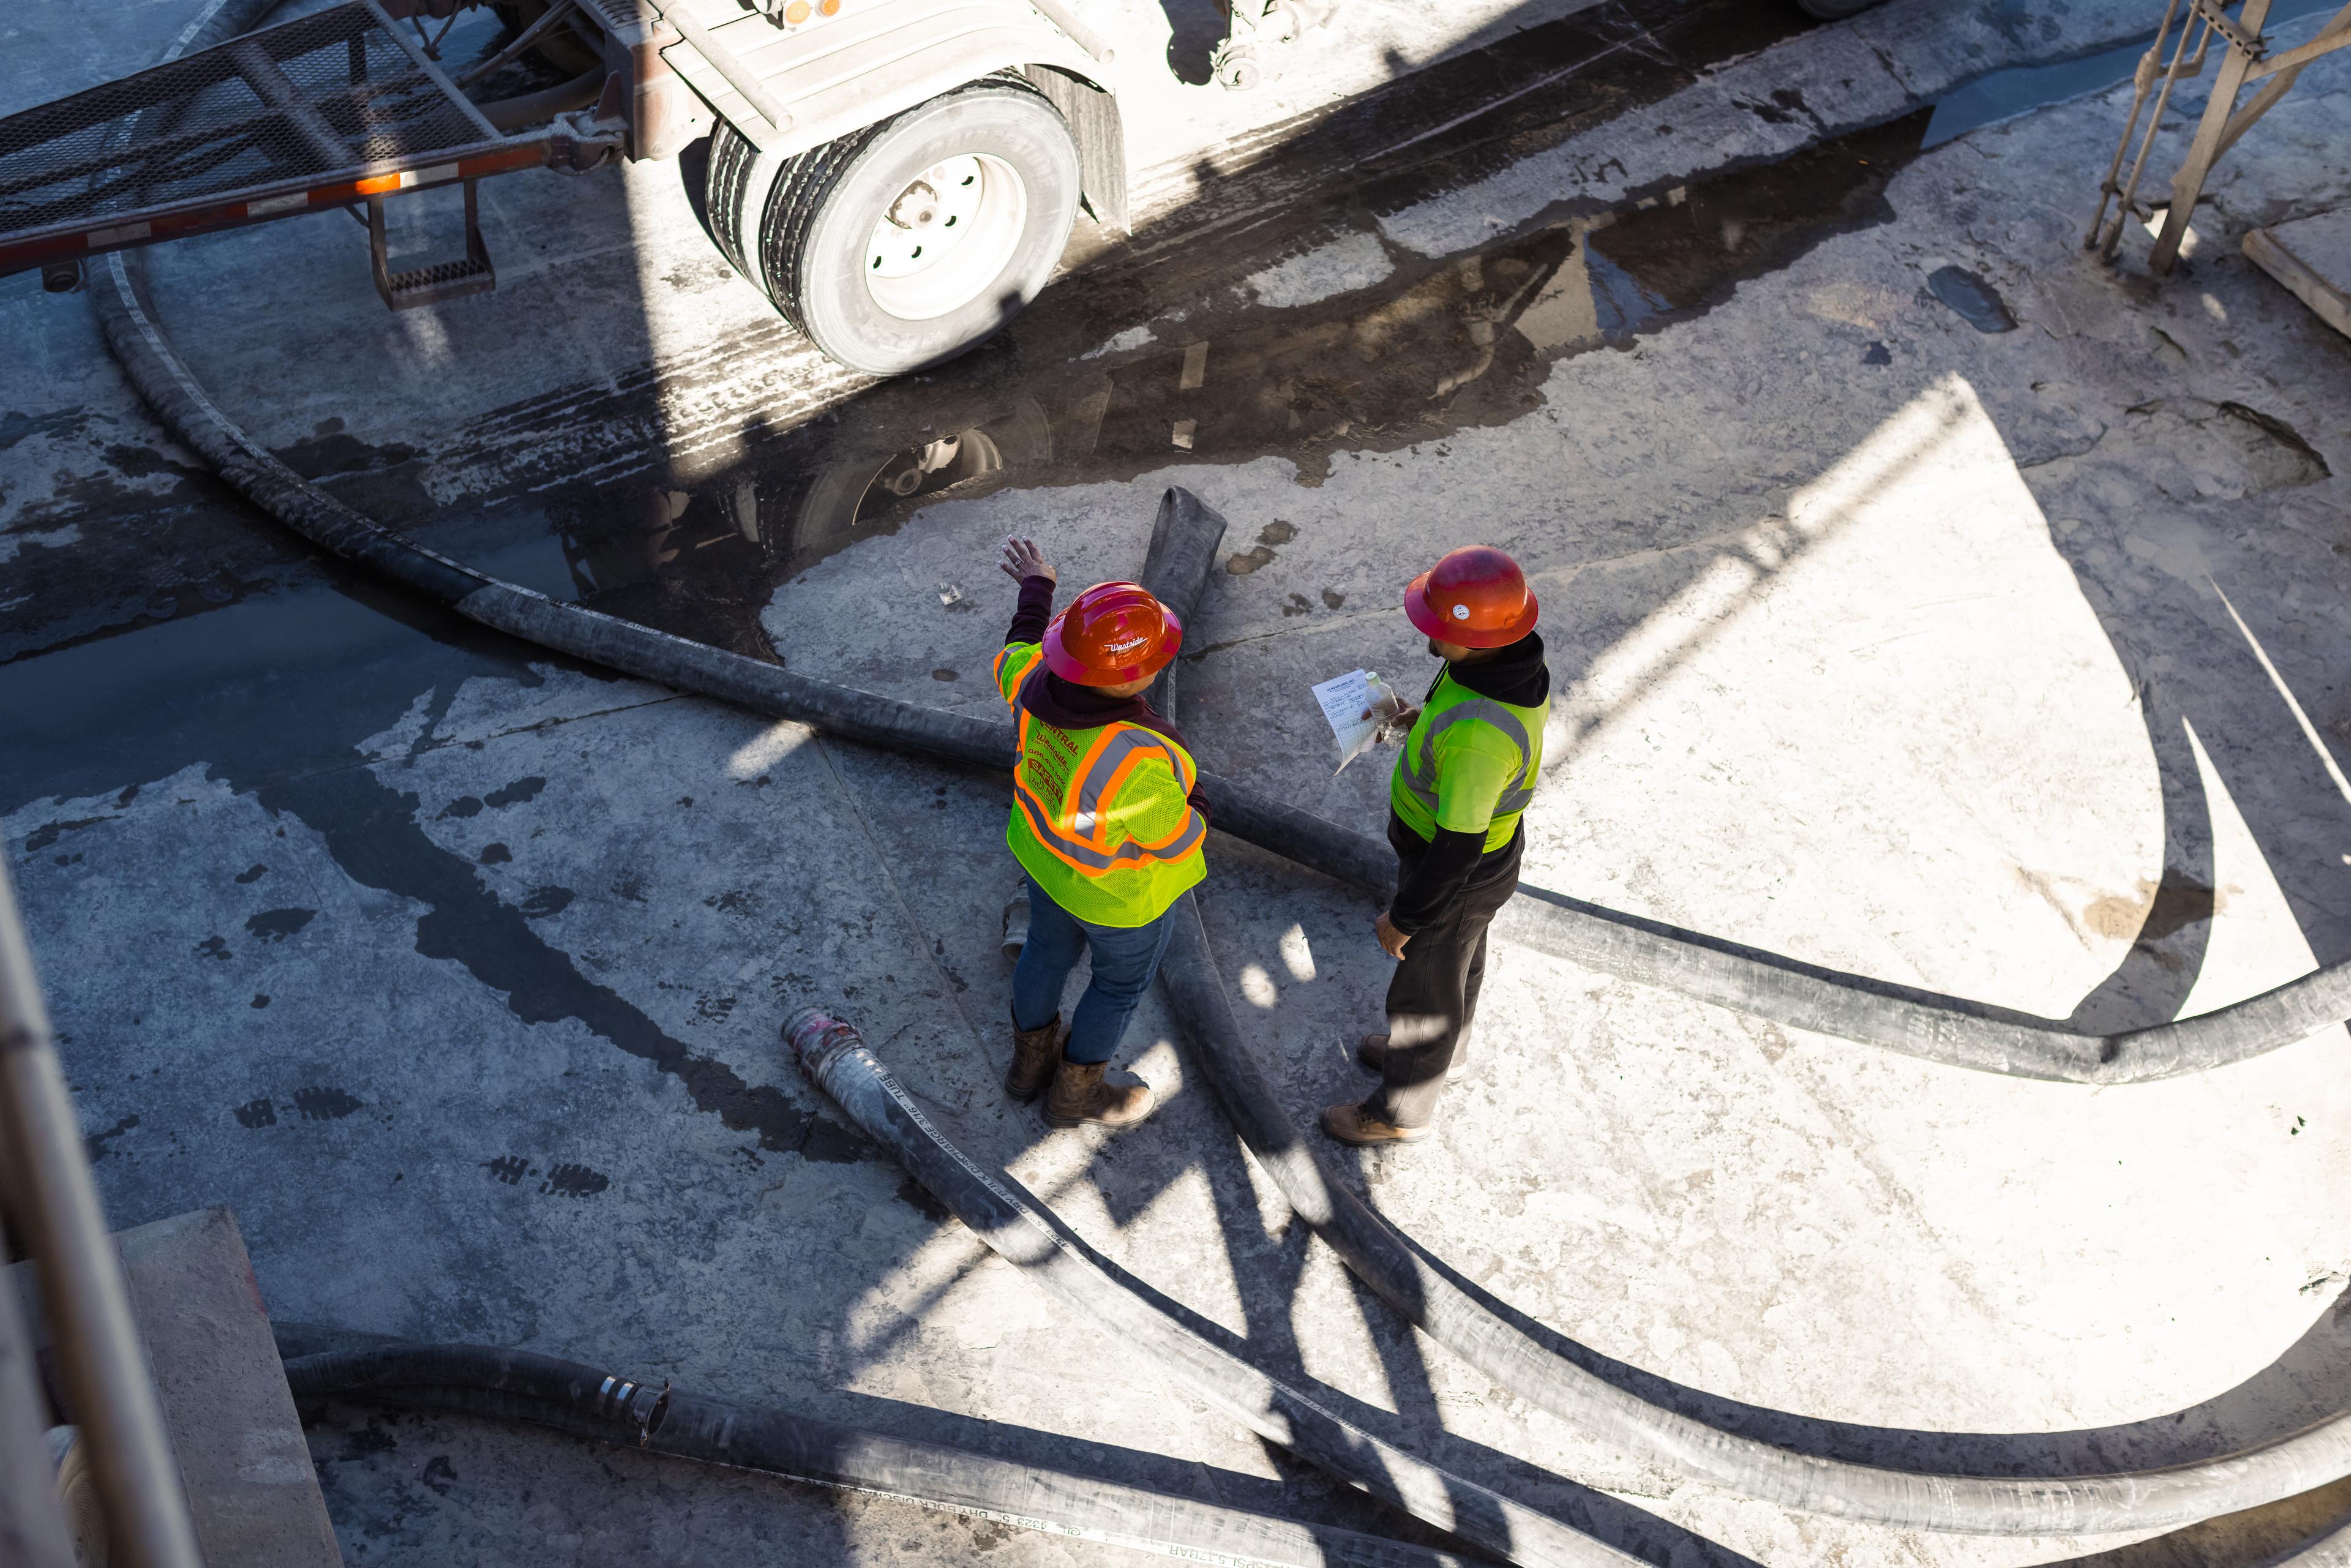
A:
(1099, 818)
(1469, 764)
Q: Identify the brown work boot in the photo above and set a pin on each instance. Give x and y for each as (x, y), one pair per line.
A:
(1034, 1051)
(1356, 1124)
(1372, 1052)
(1080, 1095)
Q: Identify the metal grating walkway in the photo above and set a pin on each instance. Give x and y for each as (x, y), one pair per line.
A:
(341, 92)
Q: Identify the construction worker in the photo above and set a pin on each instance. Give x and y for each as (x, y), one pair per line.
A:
(1101, 823)
(1467, 772)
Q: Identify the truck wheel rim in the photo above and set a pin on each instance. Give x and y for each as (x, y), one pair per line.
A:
(945, 237)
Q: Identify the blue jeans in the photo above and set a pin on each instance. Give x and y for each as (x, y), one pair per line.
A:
(1125, 959)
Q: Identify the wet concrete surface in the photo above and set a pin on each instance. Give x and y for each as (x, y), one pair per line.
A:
(1434, 348)
(1948, 656)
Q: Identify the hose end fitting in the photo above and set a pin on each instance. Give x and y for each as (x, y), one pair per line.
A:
(649, 1410)
(633, 1404)
(817, 1039)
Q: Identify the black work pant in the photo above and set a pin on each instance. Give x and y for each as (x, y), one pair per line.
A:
(1433, 998)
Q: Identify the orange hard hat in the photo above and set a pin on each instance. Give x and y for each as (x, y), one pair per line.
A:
(1112, 634)
(1475, 597)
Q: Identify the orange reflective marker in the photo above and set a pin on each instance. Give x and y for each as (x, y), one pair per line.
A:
(828, 7)
(796, 12)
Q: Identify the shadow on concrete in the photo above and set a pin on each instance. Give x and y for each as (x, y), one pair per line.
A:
(274, 698)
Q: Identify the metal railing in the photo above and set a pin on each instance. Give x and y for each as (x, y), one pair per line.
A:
(2246, 61)
(46, 1186)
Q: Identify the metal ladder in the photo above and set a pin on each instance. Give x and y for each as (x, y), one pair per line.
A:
(2247, 61)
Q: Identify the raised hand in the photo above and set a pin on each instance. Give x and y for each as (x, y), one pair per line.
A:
(1022, 558)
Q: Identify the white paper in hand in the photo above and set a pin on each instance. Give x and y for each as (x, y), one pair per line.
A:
(1355, 706)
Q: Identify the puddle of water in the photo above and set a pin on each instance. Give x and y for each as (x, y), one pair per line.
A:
(1434, 347)
(2003, 95)
(1978, 302)
(256, 688)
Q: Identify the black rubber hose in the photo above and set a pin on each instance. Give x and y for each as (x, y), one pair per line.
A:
(536, 108)
(2330, 1550)
(1379, 1256)
(1191, 980)
(1952, 1031)
(1604, 939)
(588, 1402)
(1918, 1023)
(1025, 1233)
(1175, 567)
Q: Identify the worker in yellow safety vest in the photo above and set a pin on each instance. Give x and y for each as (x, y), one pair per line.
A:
(1467, 774)
(1103, 824)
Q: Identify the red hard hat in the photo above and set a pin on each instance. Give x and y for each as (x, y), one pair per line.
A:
(1112, 634)
(1476, 597)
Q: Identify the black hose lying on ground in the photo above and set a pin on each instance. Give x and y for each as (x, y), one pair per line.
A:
(587, 1402)
(1940, 1029)
(1025, 1233)
(1191, 980)
(2331, 1550)
(2001, 1505)
(538, 108)
(1947, 1030)
(1379, 1256)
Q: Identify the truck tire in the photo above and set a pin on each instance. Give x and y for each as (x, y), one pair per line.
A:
(907, 242)
(735, 190)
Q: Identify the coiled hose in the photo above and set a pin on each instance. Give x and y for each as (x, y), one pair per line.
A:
(1919, 1023)
(587, 1402)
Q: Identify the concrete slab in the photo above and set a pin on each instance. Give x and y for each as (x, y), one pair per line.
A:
(2008, 664)
(2312, 257)
(251, 1489)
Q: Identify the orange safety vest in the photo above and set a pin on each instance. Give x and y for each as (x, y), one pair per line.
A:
(1100, 818)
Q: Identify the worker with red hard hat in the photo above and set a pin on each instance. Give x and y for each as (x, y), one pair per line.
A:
(1467, 774)
(1102, 824)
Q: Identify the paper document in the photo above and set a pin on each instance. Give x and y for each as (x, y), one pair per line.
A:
(1356, 704)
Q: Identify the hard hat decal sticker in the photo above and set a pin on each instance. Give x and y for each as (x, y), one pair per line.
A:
(1461, 613)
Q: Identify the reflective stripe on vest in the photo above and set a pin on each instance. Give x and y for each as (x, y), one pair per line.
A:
(1080, 836)
(1417, 768)
(1011, 694)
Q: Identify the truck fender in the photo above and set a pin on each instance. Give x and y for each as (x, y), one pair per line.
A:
(1093, 117)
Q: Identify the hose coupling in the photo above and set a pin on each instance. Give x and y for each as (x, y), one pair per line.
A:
(625, 1400)
(819, 1040)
